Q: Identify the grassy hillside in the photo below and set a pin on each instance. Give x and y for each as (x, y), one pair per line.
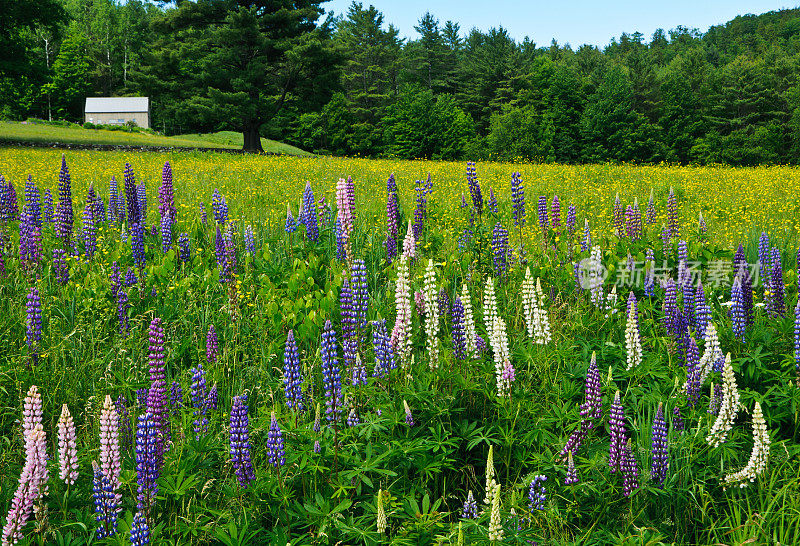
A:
(75, 134)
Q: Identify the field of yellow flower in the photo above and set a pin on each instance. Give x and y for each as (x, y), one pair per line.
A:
(737, 203)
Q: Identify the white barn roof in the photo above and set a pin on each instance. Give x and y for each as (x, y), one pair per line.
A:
(99, 105)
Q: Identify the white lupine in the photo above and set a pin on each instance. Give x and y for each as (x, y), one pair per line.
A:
(728, 408)
(633, 343)
(409, 243)
(401, 334)
(541, 323)
(490, 483)
(489, 306)
(711, 353)
(381, 513)
(495, 525)
(431, 316)
(593, 267)
(499, 342)
(469, 323)
(529, 301)
(759, 455)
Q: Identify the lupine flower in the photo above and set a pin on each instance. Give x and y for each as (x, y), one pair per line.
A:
(495, 525)
(64, 214)
(634, 221)
(140, 531)
(228, 270)
(728, 409)
(737, 310)
(490, 474)
(199, 400)
(649, 273)
(586, 243)
(345, 204)
(470, 509)
(381, 519)
(384, 354)
(249, 240)
(555, 210)
(537, 493)
(474, 187)
(489, 305)
(797, 336)
(32, 481)
(147, 467)
(341, 251)
(401, 333)
(619, 435)
(348, 314)
(491, 205)
(702, 311)
(212, 345)
(276, 455)
(650, 216)
(633, 342)
(105, 503)
(504, 370)
(352, 418)
(122, 312)
(419, 302)
(777, 289)
(184, 253)
(212, 400)
(541, 325)
(67, 448)
(500, 250)
(432, 316)
(677, 419)
(572, 473)
(132, 197)
(670, 307)
(157, 394)
(31, 410)
(166, 233)
(34, 324)
(693, 373)
(759, 455)
(47, 206)
(658, 469)
(618, 217)
(742, 270)
(240, 441)
(292, 376)
(421, 210)
(392, 218)
(166, 195)
(544, 223)
(672, 214)
(32, 202)
(332, 379)
(125, 428)
(141, 196)
(110, 464)
(458, 330)
(219, 207)
(291, 223)
(571, 222)
(409, 417)
(529, 304)
(629, 470)
(410, 243)
(90, 224)
(30, 242)
(137, 244)
(130, 277)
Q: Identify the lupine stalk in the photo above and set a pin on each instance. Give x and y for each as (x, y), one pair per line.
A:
(64, 213)
(212, 345)
(518, 200)
(401, 333)
(728, 410)
(34, 324)
(106, 504)
(500, 250)
(758, 457)
(140, 531)
(474, 187)
(147, 467)
(384, 354)
(738, 314)
(658, 468)
(458, 331)
(619, 435)
(132, 197)
(157, 394)
(276, 454)
(332, 379)
(67, 448)
(292, 376)
(110, 462)
(199, 400)
(432, 316)
(32, 482)
(240, 441)
(166, 195)
(633, 343)
(47, 206)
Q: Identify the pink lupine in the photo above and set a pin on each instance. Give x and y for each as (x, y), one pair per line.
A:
(109, 443)
(31, 483)
(67, 449)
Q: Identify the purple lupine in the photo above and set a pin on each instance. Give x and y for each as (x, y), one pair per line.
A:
(742, 269)
(212, 345)
(491, 205)
(571, 222)
(64, 214)
(592, 407)
(633, 222)
(166, 233)
(199, 400)
(184, 252)
(212, 400)
(500, 250)
(443, 301)
(130, 277)
(474, 187)
(348, 314)
(470, 508)
(137, 245)
(30, 243)
(672, 214)
(5, 215)
(331, 376)
(392, 219)
(292, 376)
(421, 210)
(544, 223)
(517, 199)
(764, 259)
(618, 218)
(650, 216)
(419, 302)
(219, 249)
(458, 330)
(220, 211)
(47, 206)
(240, 441)
(537, 493)
(166, 195)
(358, 276)
(147, 467)
(203, 214)
(619, 435)
(99, 209)
(141, 196)
(649, 273)
(228, 271)
(702, 312)
(157, 394)
(777, 288)
(140, 531)
(132, 197)
(12, 204)
(105, 503)
(629, 469)
(738, 316)
(33, 202)
(33, 324)
(677, 419)
(384, 353)
(352, 418)
(276, 454)
(122, 312)
(90, 224)
(693, 373)
(572, 473)
(340, 238)
(555, 213)
(658, 468)
(409, 417)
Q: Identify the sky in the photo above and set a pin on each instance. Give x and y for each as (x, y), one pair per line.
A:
(568, 21)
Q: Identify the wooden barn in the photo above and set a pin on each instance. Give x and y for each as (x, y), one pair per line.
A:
(117, 111)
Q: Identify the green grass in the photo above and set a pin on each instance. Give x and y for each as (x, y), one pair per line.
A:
(75, 134)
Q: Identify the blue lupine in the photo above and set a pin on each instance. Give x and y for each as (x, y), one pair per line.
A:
(658, 469)
(64, 214)
(392, 218)
(555, 213)
(421, 210)
(349, 319)
(331, 376)
(586, 243)
(141, 196)
(33, 202)
(33, 323)
(130, 277)
(500, 250)
(702, 312)
(649, 273)
(741, 268)
(544, 223)
(537, 494)
(458, 330)
(122, 312)
(292, 376)
(291, 223)
(571, 220)
(249, 240)
(90, 225)
(166, 233)
(147, 468)
(137, 245)
(166, 194)
(358, 276)
(220, 208)
(240, 441)
(340, 239)
(219, 249)
(737, 310)
(276, 454)
(384, 353)
(184, 253)
(212, 400)
(30, 242)
(672, 214)
(763, 259)
(797, 336)
(105, 504)
(517, 199)
(470, 508)
(132, 197)
(474, 187)
(199, 400)
(47, 206)
(491, 205)
(140, 531)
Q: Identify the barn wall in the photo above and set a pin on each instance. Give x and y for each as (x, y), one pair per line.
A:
(142, 118)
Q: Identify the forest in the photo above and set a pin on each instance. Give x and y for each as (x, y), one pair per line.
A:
(350, 85)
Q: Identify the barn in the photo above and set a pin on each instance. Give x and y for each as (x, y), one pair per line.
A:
(117, 111)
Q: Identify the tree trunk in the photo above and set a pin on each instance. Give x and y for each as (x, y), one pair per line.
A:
(252, 140)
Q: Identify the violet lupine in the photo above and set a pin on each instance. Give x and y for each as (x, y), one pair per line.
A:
(715, 398)
(572, 472)
(443, 302)
(157, 394)
(5, 215)
(106, 504)
(331, 376)
(199, 393)
(384, 353)
(491, 205)
(276, 454)
(240, 441)
(63, 213)
(618, 217)
(649, 273)
(629, 469)
(292, 376)
(738, 315)
(249, 241)
(537, 493)
(741, 268)
(90, 225)
(166, 195)
(586, 243)
(184, 252)
(33, 202)
(555, 213)
(212, 345)
(658, 468)
(358, 276)
(348, 315)
(203, 214)
(130, 277)
(137, 245)
(702, 312)
(421, 210)
(592, 408)
(110, 463)
(228, 270)
(619, 435)
(670, 307)
(132, 197)
(458, 331)
(677, 419)
(409, 417)
(764, 259)
(67, 448)
(777, 288)
(571, 222)
(32, 483)
(33, 324)
(672, 214)
(392, 218)
(544, 223)
(166, 233)
(219, 211)
(147, 467)
(633, 221)
(694, 373)
(30, 242)
(470, 508)
(517, 199)
(500, 250)
(310, 213)
(212, 401)
(47, 206)
(140, 531)
(474, 187)
(419, 302)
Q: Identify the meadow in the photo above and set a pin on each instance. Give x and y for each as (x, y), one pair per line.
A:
(430, 368)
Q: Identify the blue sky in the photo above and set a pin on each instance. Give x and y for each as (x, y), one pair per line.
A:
(569, 21)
